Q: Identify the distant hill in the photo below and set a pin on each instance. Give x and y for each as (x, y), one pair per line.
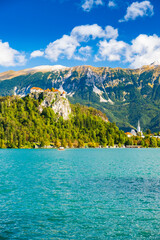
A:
(124, 95)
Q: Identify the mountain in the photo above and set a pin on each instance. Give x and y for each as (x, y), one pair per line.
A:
(124, 95)
(39, 120)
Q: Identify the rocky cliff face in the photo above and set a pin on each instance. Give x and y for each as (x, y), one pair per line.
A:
(55, 100)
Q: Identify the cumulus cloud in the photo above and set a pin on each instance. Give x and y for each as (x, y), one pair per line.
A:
(63, 47)
(84, 53)
(111, 50)
(144, 50)
(111, 4)
(83, 32)
(138, 9)
(9, 56)
(69, 46)
(37, 53)
(111, 32)
(89, 4)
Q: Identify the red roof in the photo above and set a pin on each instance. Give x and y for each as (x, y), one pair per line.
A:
(36, 88)
(47, 90)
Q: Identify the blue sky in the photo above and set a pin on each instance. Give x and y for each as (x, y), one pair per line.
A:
(115, 33)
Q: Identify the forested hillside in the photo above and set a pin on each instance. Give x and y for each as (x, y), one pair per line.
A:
(23, 126)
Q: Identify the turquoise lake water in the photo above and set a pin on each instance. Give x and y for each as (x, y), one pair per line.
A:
(80, 194)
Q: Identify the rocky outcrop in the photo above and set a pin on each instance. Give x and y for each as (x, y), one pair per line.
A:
(55, 100)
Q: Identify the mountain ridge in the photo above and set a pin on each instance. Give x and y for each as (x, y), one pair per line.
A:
(124, 95)
(52, 68)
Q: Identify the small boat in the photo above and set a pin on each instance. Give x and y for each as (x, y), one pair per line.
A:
(61, 148)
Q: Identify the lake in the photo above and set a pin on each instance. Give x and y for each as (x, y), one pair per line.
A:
(80, 194)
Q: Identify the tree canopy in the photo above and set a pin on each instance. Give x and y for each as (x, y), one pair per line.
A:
(23, 126)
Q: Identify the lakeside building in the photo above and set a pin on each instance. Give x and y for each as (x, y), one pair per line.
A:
(139, 129)
(136, 132)
(129, 134)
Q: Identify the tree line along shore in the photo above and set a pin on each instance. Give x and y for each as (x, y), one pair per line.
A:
(23, 126)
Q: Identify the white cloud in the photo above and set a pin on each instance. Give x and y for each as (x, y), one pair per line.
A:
(111, 50)
(111, 4)
(63, 47)
(144, 50)
(37, 53)
(68, 45)
(84, 53)
(138, 9)
(111, 32)
(88, 4)
(83, 32)
(9, 56)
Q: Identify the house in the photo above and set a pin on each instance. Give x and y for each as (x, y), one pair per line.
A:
(36, 90)
(129, 134)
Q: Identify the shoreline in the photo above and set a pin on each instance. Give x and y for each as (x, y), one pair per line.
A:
(78, 148)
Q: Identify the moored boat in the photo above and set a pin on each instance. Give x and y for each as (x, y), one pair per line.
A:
(61, 148)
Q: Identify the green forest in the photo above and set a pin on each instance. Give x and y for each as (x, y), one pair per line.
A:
(23, 126)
